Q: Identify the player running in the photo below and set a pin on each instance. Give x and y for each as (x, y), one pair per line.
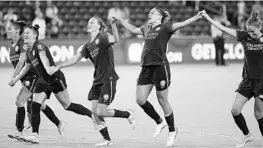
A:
(17, 57)
(252, 83)
(155, 66)
(99, 50)
(39, 57)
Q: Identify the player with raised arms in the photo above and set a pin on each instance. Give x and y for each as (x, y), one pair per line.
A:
(155, 66)
(252, 83)
(99, 50)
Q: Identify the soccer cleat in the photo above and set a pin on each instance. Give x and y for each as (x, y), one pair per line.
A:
(246, 139)
(131, 119)
(17, 135)
(34, 138)
(159, 129)
(104, 143)
(61, 127)
(171, 138)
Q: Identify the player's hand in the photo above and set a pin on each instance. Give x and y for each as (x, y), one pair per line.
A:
(11, 83)
(200, 13)
(204, 14)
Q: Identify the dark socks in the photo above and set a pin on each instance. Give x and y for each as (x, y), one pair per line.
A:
(51, 116)
(104, 132)
(170, 121)
(79, 109)
(121, 114)
(150, 111)
(29, 111)
(260, 124)
(20, 118)
(35, 117)
(241, 123)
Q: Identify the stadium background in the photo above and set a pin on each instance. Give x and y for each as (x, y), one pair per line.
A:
(191, 44)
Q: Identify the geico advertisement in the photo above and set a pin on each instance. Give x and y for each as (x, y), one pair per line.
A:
(184, 51)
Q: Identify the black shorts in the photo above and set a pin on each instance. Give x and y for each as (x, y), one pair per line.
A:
(159, 75)
(57, 85)
(104, 93)
(29, 82)
(251, 88)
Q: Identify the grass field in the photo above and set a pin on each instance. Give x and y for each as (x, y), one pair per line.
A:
(201, 96)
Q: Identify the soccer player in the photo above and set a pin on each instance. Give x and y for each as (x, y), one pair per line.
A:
(39, 57)
(155, 66)
(99, 50)
(252, 83)
(17, 56)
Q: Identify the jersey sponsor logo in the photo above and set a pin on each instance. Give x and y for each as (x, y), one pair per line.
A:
(254, 46)
(106, 97)
(97, 41)
(162, 83)
(16, 48)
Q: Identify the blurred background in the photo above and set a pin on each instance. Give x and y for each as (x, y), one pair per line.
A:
(64, 21)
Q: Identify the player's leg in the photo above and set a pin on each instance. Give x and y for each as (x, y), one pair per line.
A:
(53, 118)
(106, 97)
(29, 103)
(59, 87)
(93, 96)
(38, 100)
(162, 80)
(143, 89)
(258, 112)
(243, 94)
(63, 98)
(22, 97)
(258, 106)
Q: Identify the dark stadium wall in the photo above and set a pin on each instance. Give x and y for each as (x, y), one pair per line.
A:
(180, 50)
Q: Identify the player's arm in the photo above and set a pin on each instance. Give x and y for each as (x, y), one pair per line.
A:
(71, 61)
(129, 26)
(20, 64)
(115, 37)
(179, 25)
(229, 31)
(22, 73)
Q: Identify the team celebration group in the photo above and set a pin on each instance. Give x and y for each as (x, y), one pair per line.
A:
(40, 76)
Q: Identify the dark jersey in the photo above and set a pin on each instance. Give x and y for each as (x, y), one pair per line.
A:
(155, 46)
(253, 60)
(100, 52)
(33, 57)
(14, 55)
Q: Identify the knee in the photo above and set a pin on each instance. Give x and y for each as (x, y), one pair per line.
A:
(235, 111)
(162, 100)
(100, 112)
(43, 106)
(66, 105)
(258, 114)
(140, 101)
(19, 103)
